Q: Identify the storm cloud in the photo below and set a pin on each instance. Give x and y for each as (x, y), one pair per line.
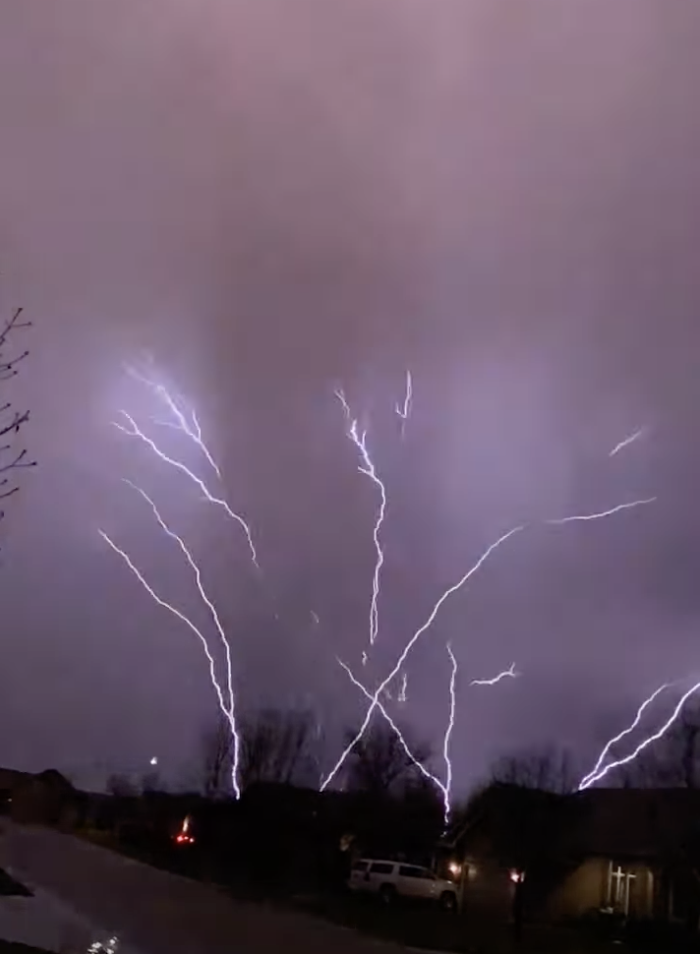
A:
(275, 199)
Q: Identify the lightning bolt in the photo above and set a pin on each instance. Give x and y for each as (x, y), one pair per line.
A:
(368, 469)
(596, 776)
(445, 787)
(409, 646)
(605, 513)
(625, 732)
(404, 687)
(399, 735)
(448, 732)
(509, 673)
(340, 394)
(133, 430)
(404, 410)
(640, 432)
(226, 712)
(190, 429)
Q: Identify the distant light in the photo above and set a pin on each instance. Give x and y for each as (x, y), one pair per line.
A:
(517, 876)
(154, 760)
(455, 868)
(184, 837)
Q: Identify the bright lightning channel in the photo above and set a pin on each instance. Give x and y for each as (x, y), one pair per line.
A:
(399, 735)
(404, 687)
(409, 646)
(509, 673)
(190, 429)
(340, 394)
(625, 732)
(228, 712)
(134, 431)
(448, 732)
(596, 776)
(604, 513)
(640, 432)
(368, 469)
(404, 410)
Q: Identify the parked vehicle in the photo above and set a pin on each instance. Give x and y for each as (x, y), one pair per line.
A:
(393, 879)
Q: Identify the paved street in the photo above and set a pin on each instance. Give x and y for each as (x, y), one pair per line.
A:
(154, 912)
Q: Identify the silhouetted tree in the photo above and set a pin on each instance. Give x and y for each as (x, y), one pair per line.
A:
(379, 765)
(548, 769)
(11, 420)
(121, 786)
(275, 746)
(151, 782)
(217, 758)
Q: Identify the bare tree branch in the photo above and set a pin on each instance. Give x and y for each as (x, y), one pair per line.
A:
(217, 755)
(548, 769)
(379, 762)
(11, 427)
(275, 747)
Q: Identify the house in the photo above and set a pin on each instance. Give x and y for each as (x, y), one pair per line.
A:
(45, 798)
(10, 779)
(631, 852)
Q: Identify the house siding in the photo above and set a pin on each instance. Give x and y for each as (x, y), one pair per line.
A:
(582, 891)
(586, 890)
(488, 891)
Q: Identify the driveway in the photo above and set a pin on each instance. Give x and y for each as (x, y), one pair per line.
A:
(154, 912)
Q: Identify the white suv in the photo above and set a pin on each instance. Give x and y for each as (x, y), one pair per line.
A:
(390, 879)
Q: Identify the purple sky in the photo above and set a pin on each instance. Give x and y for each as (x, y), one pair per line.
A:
(275, 198)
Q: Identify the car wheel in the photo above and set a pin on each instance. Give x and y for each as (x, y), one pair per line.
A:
(387, 893)
(448, 901)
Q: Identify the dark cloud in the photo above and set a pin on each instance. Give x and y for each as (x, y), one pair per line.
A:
(276, 198)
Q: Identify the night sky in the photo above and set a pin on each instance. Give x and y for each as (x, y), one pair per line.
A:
(273, 199)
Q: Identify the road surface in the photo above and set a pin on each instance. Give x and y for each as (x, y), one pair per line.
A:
(154, 912)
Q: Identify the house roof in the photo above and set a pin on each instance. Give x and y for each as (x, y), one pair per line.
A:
(11, 779)
(637, 822)
(649, 823)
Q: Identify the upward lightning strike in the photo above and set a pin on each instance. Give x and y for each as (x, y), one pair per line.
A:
(226, 712)
(369, 470)
(509, 673)
(640, 432)
(445, 788)
(214, 617)
(133, 430)
(618, 738)
(448, 733)
(594, 777)
(404, 410)
(409, 646)
(604, 513)
(399, 735)
(190, 429)
(404, 687)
